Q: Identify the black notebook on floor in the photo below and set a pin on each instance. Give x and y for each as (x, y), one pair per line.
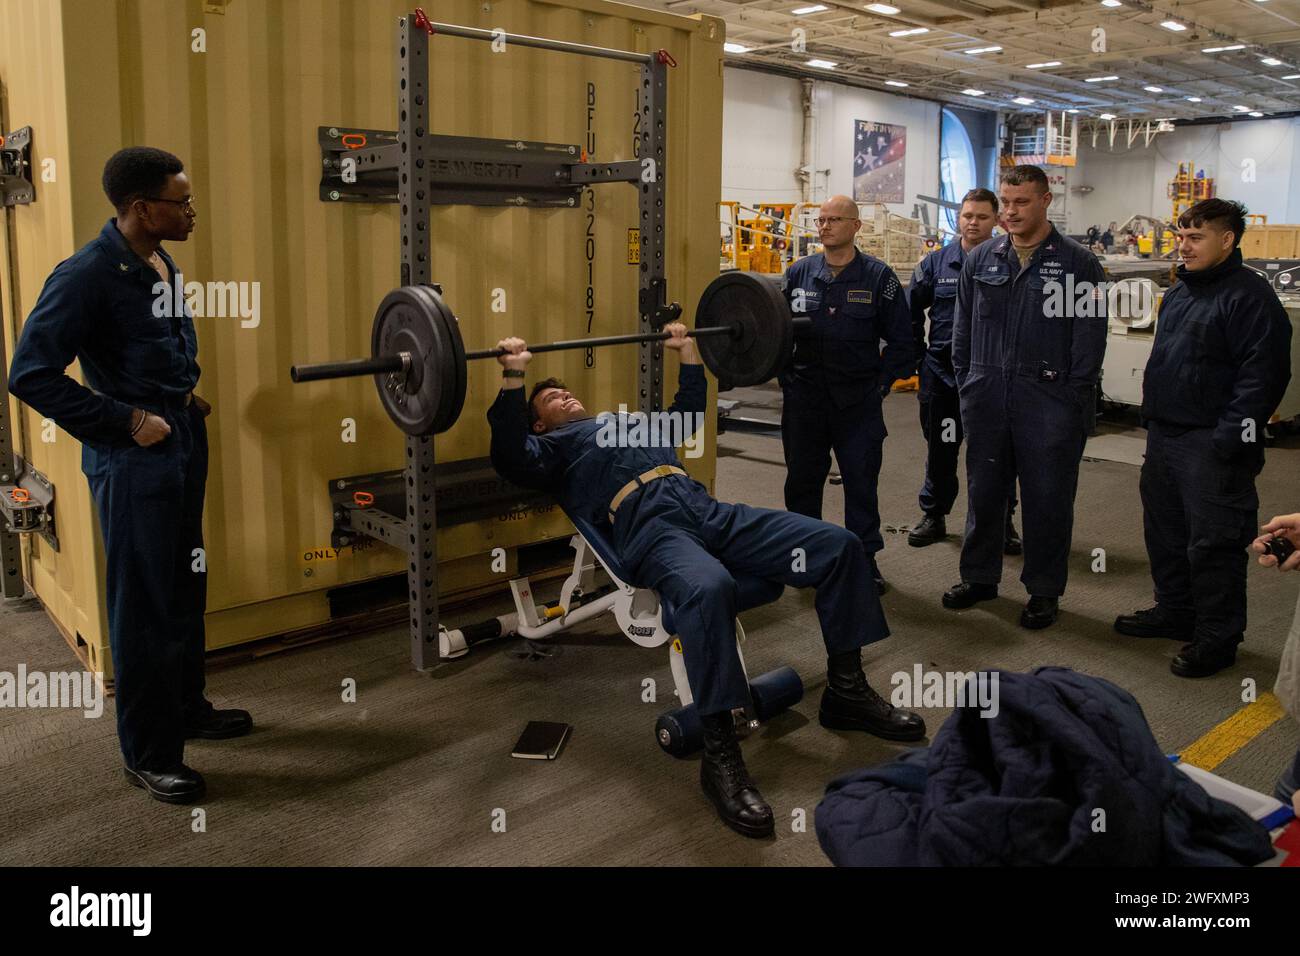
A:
(541, 740)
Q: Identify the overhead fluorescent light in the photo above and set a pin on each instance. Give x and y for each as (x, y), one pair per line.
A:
(884, 8)
(1292, 76)
(1111, 3)
(1154, 89)
(1170, 25)
(1100, 79)
(1270, 61)
(895, 83)
(907, 33)
(815, 8)
(1072, 111)
(972, 92)
(1108, 116)
(984, 49)
(1041, 66)
(1224, 49)
(1255, 113)
(736, 48)
(1193, 99)
(1242, 109)
(1022, 100)
(823, 64)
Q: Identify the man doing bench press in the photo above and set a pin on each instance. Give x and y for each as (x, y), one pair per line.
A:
(686, 546)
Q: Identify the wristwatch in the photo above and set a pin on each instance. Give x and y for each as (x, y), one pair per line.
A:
(514, 373)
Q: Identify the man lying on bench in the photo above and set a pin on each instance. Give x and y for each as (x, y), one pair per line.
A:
(678, 541)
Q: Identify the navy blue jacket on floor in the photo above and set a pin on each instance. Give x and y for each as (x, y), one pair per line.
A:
(1222, 355)
(1024, 787)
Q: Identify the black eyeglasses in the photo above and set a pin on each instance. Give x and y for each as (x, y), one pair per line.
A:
(833, 220)
(187, 202)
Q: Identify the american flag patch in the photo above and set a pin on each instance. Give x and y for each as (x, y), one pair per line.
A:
(891, 288)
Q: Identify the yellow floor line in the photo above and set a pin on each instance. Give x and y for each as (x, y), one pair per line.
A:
(1227, 738)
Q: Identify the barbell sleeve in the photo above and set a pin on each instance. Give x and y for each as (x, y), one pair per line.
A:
(347, 369)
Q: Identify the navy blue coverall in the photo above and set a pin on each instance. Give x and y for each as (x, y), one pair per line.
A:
(1028, 382)
(98, 307)
(685, 545)
(934, 287)
(835, 383)
(1218, 369)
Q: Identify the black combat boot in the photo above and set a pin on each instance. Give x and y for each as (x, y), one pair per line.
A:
(849, 703)
(726, 781)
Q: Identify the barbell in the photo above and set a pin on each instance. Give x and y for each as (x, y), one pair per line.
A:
(743, 323)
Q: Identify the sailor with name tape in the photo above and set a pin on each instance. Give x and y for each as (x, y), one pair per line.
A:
(838, 376)
(933, 290)
(1027, 375)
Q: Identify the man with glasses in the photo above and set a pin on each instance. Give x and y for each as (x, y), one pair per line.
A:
(144, 453)
(838, 377)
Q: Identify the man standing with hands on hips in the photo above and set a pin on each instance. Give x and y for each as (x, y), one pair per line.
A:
(145, 455)
(834, 385)
(1029, 335)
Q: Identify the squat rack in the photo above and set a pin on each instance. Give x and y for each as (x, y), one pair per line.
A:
(427, 169)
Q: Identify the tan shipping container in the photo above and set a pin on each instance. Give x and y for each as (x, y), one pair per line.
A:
(237, 90)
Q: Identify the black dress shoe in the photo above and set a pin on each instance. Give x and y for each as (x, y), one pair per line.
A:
(1039, 613)
(967, 594)
(1011, 540)
(930, 531)
(726, 782)
(1157, 622)
(178, 785)
(1201, 660)
(219, 725)
(850, 703)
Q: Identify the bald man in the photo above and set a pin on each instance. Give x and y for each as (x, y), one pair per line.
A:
(834, 386)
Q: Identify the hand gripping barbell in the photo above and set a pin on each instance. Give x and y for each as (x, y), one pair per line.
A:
(743, 323)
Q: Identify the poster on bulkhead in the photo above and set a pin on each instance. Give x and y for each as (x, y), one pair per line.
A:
(879, 154)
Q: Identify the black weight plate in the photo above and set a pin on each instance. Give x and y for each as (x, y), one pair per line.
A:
(454, 392)
(753, 303)
(411, 319)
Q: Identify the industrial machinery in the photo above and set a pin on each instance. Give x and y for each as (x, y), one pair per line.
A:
(766, 237)
(1186, 189)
